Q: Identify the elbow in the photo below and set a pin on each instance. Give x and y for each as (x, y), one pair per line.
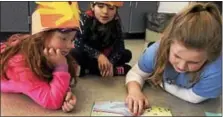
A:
(194, 98)
(194, 101)
(53, 105)
(52, 102)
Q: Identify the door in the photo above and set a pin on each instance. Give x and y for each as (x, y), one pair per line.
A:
(124, 13)
(32, 7)
(84, 5)
(14, 16)
(138, 15)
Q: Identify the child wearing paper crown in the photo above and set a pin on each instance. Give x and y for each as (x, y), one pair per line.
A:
(100, 47)
(186, 62)
(39, 65)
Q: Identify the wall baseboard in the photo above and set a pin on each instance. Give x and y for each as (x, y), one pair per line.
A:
(129, 36)
(126, 36)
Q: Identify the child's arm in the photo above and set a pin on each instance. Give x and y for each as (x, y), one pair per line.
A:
(93, 53)
(209, 86)
(83, 36)
(134, 80)
(79, 43)
(144, 67)
(183, 93)
(118, 47)
(136, 75)
(117, 50)
(49, 95)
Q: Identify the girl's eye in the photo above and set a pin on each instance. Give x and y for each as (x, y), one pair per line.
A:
(194, 63)
(176, 56)
(72, 40)
(62, 38)
(100, 5)
(111, 7)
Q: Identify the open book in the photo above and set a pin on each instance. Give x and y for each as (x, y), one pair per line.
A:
(116, 108)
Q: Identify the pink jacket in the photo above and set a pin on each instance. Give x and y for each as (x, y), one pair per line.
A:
(23, 80)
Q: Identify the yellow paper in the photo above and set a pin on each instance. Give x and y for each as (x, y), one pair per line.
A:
(157, 111)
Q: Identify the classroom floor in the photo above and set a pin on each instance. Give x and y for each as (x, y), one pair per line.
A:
(92, 88)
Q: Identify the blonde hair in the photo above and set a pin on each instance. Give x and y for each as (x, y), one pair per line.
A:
(199, 26)
(32, 48)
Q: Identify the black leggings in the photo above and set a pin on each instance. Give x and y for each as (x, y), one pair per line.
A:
(92, 64)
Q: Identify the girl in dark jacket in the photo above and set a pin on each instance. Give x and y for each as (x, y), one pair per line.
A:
(100, 49)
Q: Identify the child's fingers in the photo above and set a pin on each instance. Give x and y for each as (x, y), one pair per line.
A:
(63, 109)
(111, 71)
(58, 52)
(135, 108)
(107, 73)
(104, 73)
(66, 108)
(146, 103)
(106, 66)
(141, 106)
(52, 52)
(101, 73)
(73, 100)
(126, 100)
(100, 66)
(107, 70)
(68, 96)
(130, 104)
(45, 51)
(70, 106)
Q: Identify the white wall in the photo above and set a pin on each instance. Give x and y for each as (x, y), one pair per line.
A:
(171, 7)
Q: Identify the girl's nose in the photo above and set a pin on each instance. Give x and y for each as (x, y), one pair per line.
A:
(182, 65)
(105, 10)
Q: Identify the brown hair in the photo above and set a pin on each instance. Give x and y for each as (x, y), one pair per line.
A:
(199, 26)
(32, 48)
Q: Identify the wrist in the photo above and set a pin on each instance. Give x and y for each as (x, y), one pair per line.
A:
(133, 87)
(111, 61)
(61, 67)
(97, 55)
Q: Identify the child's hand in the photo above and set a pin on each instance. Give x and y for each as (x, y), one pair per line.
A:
(54, 56)
(137, 102)
(70, 102)
(104, 65)
(111, 72)
(107, 73)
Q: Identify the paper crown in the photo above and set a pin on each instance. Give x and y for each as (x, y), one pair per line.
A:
(50, 15)
(118, 4)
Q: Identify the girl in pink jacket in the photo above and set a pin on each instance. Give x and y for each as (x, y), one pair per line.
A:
(39, 65)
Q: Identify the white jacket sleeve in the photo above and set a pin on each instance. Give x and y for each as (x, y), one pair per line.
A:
(136, 74)
(183, 93)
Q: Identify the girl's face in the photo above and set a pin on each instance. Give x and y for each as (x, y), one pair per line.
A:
(62, 41)
(103, 12)
(184, 59)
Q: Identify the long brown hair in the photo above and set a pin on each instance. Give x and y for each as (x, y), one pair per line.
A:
(199, 26)
(32, 48)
